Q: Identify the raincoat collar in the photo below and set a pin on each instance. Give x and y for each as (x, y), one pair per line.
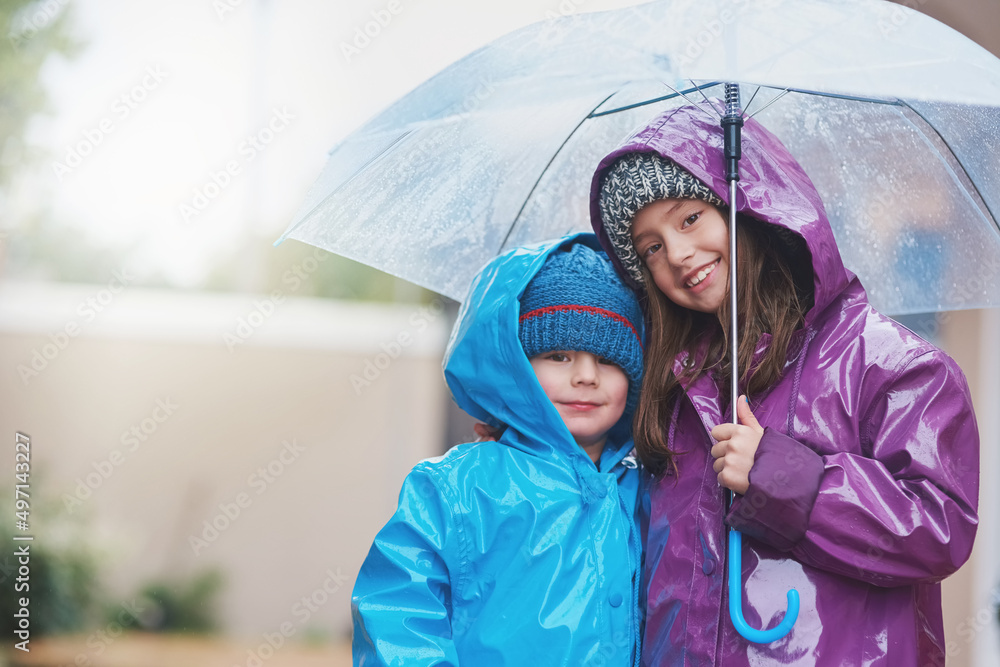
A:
(490, 376)
(773, 187)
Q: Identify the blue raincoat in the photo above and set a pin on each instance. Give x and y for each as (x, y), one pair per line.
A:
(516, 552)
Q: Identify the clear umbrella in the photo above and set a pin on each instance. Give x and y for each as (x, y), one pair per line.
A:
(498, 149)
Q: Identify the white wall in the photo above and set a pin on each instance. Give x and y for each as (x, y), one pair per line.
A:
(223, 413)
(970, 596)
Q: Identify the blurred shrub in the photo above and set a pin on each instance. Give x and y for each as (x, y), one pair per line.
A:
(61, 583)
(188, 606)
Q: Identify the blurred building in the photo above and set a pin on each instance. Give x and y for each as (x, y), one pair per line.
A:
(190, 431)
(269, 439)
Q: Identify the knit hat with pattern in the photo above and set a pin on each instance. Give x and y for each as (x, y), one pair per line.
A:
(577, 302)
(635, 180)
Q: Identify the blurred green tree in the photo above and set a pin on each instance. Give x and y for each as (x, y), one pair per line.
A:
(47, 248)
(33, 31)
(301, 270)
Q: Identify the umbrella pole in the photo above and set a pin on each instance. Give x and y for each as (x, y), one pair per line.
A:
(732, 123)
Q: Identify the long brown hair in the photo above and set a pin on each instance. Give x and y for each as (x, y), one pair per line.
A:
(775, 290)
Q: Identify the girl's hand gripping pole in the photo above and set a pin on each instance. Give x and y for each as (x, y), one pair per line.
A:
(732, 124)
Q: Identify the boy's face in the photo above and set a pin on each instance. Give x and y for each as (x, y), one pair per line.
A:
(589, 392)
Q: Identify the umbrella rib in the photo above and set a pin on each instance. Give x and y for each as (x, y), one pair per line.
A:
(705, 97)
(838, 96)
(773, 100)
(957, 163)
(555, 153)
(628, 107)
(843, 96)
(746, 109)
(682, 93)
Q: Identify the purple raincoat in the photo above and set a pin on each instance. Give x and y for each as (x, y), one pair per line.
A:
(863, 493)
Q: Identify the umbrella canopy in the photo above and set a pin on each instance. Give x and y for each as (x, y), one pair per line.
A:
(894, 116)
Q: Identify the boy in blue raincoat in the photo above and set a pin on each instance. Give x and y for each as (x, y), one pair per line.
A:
(525, 550)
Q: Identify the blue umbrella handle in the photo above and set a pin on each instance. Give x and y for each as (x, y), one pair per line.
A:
(736, 599)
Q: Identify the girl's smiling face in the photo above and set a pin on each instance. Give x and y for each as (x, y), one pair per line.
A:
(685, 245)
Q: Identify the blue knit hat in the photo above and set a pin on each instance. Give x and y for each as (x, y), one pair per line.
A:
(577, 302)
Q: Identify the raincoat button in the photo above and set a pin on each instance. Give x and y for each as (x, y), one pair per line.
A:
(615, 600)
(708, 567)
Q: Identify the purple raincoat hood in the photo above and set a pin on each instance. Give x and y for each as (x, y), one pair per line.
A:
(864, 487)
(772, 188)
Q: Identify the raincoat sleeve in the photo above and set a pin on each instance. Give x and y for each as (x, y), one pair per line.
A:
(896, 508)
(401, 603)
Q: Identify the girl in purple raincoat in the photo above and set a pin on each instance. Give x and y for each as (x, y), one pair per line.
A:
(856, 459)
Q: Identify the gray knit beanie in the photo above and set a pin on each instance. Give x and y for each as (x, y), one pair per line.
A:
(633, 181)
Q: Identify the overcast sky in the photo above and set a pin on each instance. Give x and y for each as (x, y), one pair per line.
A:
(183, 126)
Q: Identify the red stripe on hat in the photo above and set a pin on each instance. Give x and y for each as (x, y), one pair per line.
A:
(548, 310)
